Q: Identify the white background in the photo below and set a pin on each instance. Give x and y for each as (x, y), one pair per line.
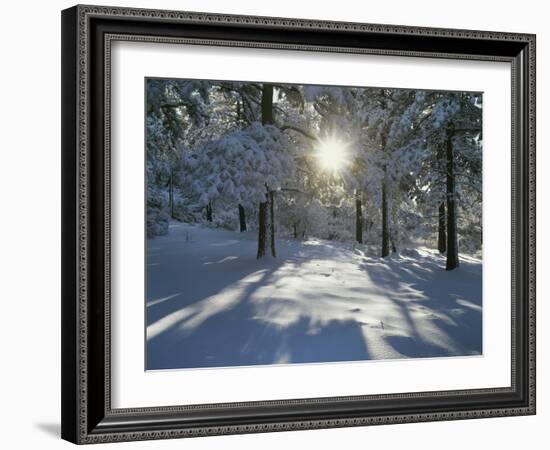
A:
(30, 225)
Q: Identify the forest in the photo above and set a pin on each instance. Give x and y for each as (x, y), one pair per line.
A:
(376, 165)
(290, 172)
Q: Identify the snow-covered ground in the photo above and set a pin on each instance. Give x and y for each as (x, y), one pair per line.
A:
(210, 303)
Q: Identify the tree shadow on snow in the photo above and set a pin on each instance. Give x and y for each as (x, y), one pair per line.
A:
(447, 303)
(257, 342)
(219, 318)
(210, 303)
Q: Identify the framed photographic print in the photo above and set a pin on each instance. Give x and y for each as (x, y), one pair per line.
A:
(277, 224)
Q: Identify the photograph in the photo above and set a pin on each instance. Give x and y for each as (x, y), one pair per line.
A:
(299, 223)
(273, 222)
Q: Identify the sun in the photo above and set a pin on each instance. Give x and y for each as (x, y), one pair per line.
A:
(331, 153)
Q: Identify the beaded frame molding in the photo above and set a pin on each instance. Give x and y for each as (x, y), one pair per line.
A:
(87, 35)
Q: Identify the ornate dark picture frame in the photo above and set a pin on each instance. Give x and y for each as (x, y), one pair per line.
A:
(87, 34)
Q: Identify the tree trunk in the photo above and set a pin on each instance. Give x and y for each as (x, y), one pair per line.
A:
(267, 104)
(266, 227)
(393, 228)
(272, 222)
(385, 230)
(358, 218)
(171, 194)
(263, 222)
(242, 215)
(441, 232)
(209, 212)
(242, 218)
(262, 230)
(392, 242)
(452, 238)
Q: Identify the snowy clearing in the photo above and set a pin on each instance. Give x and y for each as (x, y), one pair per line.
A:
(210, 303)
